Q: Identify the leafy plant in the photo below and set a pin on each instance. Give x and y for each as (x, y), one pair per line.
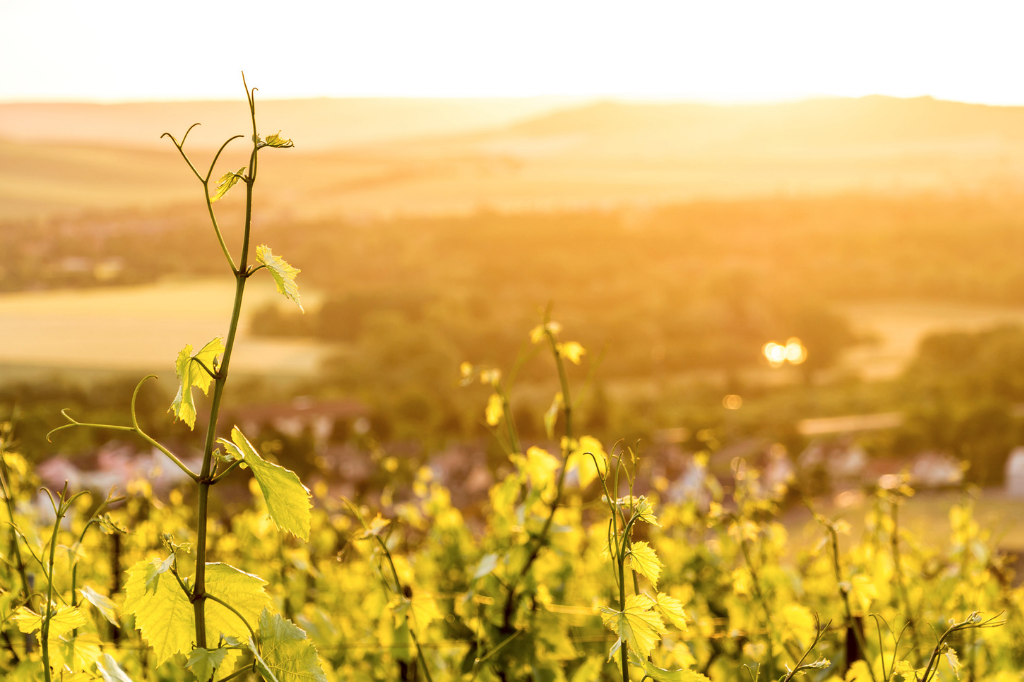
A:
(213, 611)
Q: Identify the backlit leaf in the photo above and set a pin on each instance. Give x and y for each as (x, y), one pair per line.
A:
(226, 182)
(111, 671)
(288, 501)
(572, 351)
(203, 662)
(539, 466)
(584, 463)
(276, 141)
(191, 374)
(63, 619)
(285, 652)
(644, 561)
(486, 565)
(103, 604)
(282, 272)
(495, 410)
(637, 625)
(671, 609)
(166, 619)
(953, 660)
(76, 653)
(539, 333)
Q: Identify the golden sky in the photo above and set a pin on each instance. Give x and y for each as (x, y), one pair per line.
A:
(713, 50)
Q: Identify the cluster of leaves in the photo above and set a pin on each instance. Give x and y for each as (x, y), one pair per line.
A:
(527, 596)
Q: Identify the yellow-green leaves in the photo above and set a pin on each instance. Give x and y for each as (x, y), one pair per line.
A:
(63, 620)
(166, 619)
(539, 466)
(571, 351)
(274, 140)
(285, 653)
(580, 460)
(637, 624)
(110, 670)
(203, 662)
(644, 511)
(163, 613)
(191, 373)
(226, 182)
(495, 410)
(671, 609)
(103, 604)
(644, 561)
(540, 332)
(421, 609)
(288, 501)
(281, 271)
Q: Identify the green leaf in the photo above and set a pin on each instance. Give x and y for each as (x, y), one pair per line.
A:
(165, 616)
(226, 182)
(204, 662)
(637, 625)
(644, 561)
(103, 604)
(285, 653)
(191, 373)
(111, 671)
(662, 675)
(288, 501)
(281, 271)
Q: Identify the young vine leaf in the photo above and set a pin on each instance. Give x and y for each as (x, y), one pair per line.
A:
(203, 662)
(636, 625)
(285, 653)
(164, 614)
(644, 561)
(584, 463)
(76, 653)
(226, 182)
(288, 501)
(275, 141)
(111, 671)
(282, 272)
(671, 609)
(106, 607)
(63, 620)
(192, 374)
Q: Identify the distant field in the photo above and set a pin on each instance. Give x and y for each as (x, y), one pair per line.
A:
(899, 327)
(141, 329)
(926, 517)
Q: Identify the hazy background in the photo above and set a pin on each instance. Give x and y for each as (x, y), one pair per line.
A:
(684, 183)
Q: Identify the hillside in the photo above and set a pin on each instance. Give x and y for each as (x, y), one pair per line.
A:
(420, 157)
(320, 123)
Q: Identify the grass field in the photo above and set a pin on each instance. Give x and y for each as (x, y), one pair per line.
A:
(141, 329)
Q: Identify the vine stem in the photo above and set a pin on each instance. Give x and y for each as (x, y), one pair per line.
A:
(205, 479)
